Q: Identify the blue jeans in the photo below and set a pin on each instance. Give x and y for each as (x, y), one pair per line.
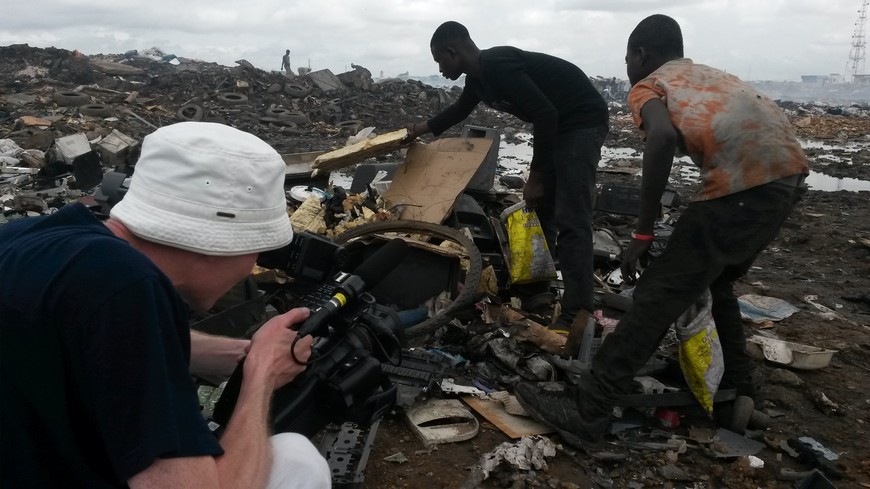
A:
(713, 244)
(566, 214)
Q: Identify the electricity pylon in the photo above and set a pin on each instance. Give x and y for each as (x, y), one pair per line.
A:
(855, 66)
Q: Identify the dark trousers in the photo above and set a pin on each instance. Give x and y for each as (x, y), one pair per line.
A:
(713, 244)
(566, 214)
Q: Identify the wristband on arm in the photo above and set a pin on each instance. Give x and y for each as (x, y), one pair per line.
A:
(643, 237)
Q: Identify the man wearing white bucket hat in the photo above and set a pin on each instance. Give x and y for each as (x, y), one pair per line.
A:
(95, 348)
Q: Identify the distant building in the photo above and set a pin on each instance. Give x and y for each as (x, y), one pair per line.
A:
(861, 79)
(823, 79)
(819, 79)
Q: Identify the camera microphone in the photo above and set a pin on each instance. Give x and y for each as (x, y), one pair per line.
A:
(368, 274)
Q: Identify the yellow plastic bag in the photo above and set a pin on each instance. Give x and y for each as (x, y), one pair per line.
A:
(530, 259)
(700, 351)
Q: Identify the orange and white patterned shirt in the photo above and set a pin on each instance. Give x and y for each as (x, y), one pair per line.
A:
(738, 137)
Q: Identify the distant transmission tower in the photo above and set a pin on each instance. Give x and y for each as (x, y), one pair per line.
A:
(856, 54)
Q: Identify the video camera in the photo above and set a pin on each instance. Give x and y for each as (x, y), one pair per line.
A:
(353, 334)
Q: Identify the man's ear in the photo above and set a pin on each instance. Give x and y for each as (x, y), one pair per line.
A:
(643, 54)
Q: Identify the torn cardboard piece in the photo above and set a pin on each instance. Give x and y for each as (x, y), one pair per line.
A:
(510, 424)
(524, 329)
(111, 68)
(363, 150)
(31, 121)
(309, 217)
(433, 175)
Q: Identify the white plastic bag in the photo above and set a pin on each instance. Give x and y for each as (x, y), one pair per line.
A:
(530, 259)
(700, 350)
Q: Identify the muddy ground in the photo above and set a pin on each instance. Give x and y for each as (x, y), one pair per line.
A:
(823, 250)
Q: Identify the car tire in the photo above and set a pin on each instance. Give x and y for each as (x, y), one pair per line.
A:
(277, 112)
(190, 112)
(95, 110)
(472, 276)
(288, 115)
(296, 90)
(232, 98)
(276, 122)
(352, 125)
(71, 98)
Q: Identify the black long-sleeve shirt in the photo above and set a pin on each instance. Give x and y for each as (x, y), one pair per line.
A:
(551, 93)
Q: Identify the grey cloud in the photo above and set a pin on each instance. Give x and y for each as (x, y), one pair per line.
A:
(778, 40)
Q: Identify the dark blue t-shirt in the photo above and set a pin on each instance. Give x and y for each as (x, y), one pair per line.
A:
(94, 358)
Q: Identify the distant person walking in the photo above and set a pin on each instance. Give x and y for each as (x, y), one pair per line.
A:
(285, 62)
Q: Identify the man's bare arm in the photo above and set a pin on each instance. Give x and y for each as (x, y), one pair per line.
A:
(215, 356)
(247, 457)
(658, 158)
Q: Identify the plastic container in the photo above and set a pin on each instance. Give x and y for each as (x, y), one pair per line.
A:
(788, 353)
(301, 193)
(467, 213)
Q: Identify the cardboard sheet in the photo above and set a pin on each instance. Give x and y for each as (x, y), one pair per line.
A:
(433, 175)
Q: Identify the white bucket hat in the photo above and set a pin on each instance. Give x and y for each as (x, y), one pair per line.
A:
(207, 188)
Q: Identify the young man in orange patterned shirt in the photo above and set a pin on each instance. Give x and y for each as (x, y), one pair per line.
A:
(752, 168)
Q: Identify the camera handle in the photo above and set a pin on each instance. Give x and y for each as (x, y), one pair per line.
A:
(339, 352)
(344, 380)
(358, 392)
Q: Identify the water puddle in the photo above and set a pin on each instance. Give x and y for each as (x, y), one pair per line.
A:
(827, 183)
(851, 147)
(513, 159)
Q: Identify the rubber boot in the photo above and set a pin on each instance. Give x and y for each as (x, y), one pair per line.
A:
(759, 420)
(741, 412)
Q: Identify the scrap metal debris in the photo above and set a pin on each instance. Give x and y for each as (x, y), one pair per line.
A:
(67, 119)
(530, 452)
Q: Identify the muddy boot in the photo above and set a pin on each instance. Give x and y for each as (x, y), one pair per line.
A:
(759, 420)
(556, 406)
(735, 415)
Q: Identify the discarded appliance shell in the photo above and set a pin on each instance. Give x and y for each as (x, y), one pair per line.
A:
(442, 421)
(788, 353)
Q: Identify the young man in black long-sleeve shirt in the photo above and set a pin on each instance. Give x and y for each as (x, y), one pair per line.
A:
(570, 123)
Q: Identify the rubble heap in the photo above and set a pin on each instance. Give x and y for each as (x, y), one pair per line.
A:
(135, 94)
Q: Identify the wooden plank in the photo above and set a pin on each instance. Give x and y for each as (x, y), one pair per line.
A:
(363, 150)
(511, 425)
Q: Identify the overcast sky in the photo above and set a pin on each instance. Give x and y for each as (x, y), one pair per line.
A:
(753, 39)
